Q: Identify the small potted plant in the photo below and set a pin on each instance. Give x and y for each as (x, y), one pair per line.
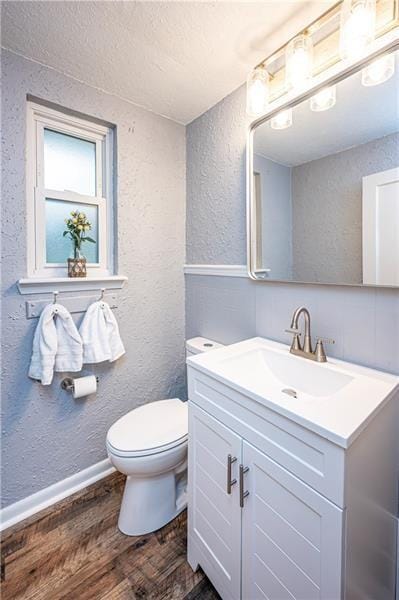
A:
(77, 227)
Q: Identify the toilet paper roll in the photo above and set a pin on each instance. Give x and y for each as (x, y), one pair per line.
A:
(83, 386)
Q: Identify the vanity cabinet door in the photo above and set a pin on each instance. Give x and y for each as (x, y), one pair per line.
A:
(214, 514)
(291, 536)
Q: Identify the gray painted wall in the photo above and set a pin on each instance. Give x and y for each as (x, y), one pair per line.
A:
(47, 435)
(215, 228)
(363, 321)
(327, 210)
(276, 208)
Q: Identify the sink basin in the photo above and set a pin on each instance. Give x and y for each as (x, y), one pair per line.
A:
(301, 376)
(335, 399)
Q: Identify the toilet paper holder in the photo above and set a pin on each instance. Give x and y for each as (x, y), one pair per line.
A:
(67, 384)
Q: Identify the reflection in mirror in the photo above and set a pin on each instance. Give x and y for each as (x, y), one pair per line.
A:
(326, 187)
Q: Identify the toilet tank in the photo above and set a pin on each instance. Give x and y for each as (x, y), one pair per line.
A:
(198, 345)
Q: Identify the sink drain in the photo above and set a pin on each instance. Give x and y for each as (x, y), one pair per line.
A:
(290, 392)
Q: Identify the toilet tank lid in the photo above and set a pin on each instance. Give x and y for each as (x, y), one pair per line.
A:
(199, 344)
(150, 426)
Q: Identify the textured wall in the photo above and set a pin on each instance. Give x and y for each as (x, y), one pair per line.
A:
(46, 434)
(364, 322)
(327, 210)
(276, 207)
(216, 141)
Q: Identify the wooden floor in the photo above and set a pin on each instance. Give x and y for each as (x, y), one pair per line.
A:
(74, 551)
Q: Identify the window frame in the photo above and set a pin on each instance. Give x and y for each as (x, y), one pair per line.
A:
(40, 118)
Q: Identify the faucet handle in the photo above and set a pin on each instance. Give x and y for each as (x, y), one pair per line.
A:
(292, 330)
(325, 340)
(319, 351)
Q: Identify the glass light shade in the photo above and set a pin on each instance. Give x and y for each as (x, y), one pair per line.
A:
(257, 91)
(357, 29)
(282, 120)
(379, 71)
(299, 62)
(324, 99)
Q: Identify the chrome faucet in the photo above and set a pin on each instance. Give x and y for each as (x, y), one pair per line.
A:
(306, 351)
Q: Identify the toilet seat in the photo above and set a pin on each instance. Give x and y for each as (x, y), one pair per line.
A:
(150, 429)
(148, 451)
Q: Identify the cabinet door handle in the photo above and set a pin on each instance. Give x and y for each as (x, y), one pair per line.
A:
(243, 494)
(230, 482)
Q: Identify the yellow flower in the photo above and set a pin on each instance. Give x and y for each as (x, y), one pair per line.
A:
(74, 221)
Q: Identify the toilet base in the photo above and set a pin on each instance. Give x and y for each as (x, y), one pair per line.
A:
(150, 503)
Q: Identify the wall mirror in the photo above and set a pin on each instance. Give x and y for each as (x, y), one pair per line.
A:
(324, 198)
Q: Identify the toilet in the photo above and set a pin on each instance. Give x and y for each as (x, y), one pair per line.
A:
(149, 446)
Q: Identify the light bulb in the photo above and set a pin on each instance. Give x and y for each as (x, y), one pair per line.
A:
(299, 62)
(379, 71)
(282, 120)
(324, 99)
(257, 91)
(357, 28)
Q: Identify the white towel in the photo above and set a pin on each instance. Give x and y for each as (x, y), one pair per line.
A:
(100, 334)
(56, 344)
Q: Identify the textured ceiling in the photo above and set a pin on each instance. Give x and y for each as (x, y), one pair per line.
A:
(175, 58)
(360, 115)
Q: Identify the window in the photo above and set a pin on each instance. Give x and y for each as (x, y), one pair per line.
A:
(69, 163)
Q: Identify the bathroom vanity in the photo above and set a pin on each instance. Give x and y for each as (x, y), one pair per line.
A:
(293, 487)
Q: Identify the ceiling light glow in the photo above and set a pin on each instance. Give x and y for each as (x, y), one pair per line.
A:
(299, 62)
(357, 28)
(257, 91)
(324, 99)
(379, 70)
(282, 120)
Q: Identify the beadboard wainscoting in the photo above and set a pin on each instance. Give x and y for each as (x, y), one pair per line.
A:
(364, 322)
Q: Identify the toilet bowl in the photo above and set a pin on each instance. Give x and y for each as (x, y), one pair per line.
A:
(149, 446)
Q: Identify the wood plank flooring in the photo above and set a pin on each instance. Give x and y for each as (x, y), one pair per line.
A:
(74, 551)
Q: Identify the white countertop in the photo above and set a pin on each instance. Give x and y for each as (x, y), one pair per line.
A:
(339, 416)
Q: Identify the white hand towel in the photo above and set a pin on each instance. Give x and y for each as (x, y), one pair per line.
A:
(56, 344)
(100, 334)
(69, 355)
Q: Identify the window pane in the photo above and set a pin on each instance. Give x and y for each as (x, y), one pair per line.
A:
(59, 248)
(69, 163)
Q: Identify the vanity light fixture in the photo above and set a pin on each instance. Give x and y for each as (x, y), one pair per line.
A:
(257, 91)
(299, 62)
(345, 32)
(324, 99)
(379, 70)
(282, 120)
(357, 29)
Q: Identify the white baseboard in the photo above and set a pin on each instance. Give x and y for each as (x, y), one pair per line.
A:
(218, 270)
(14, 513)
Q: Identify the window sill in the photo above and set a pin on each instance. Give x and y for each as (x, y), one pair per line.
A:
(41, 285)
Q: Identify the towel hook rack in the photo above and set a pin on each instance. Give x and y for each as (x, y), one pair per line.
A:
(55, 296)
(102, 293)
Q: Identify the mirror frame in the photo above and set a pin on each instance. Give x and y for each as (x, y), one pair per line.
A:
(252, 226)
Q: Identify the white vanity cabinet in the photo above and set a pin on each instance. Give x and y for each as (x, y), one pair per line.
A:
(278, 530)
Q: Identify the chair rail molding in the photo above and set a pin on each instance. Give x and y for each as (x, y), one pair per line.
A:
(217, 270)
